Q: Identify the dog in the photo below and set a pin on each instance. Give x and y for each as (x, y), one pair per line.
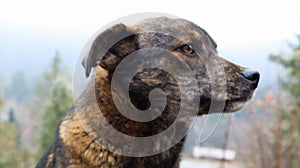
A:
(221, 87)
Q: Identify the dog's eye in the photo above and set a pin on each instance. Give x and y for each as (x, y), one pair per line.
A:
(187, 49)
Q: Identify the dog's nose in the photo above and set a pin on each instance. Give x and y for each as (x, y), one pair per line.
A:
(252, 76)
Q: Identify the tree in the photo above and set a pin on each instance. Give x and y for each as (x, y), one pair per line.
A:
(291, 63)
(11, 115)
(60, 101)
(57, 103)
(55, 71)
(43, 88)
(290, 115)
(10, 153)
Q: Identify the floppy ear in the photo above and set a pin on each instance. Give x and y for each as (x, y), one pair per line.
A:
(109, 48)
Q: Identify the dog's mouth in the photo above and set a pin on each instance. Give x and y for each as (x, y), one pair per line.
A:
(208, 105)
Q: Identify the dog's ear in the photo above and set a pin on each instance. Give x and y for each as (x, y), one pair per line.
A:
(109, 48)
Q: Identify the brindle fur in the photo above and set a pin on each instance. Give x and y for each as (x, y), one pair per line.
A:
(74, 145)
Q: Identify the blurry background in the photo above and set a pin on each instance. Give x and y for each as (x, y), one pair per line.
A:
(40, 42)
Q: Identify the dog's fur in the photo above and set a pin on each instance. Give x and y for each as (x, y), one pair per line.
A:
(76, 146)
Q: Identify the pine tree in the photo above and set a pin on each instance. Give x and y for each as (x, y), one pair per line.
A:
(290, 115)
(291, 63)
(10, 154)
(55, 71)
(11, 115)
(55, 87)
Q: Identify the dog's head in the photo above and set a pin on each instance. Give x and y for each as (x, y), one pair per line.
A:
(218, 80)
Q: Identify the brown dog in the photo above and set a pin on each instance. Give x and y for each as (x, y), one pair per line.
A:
(221, 87)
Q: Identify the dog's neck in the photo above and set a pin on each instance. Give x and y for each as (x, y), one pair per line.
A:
(87, 115)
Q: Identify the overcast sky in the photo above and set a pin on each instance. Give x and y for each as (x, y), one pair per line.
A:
(231, 23)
